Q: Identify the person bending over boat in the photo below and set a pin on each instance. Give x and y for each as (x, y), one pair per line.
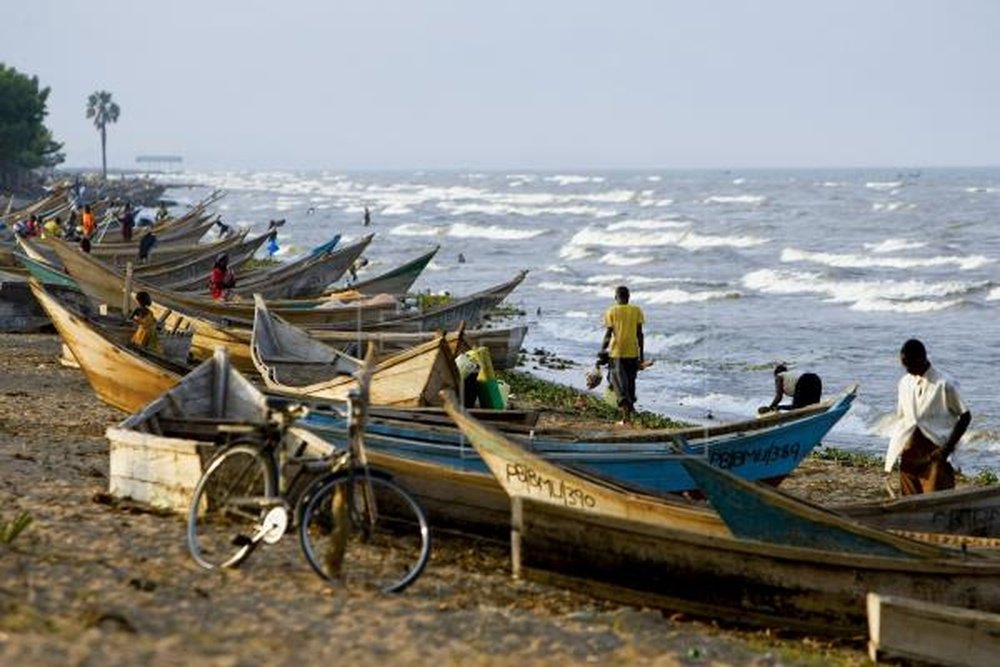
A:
(146, 245)
(145, 336)
(803, 388)
(930, 420)
(623, 331)
(221, 281)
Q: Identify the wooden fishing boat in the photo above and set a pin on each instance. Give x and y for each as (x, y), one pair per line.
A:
(582, 532)
(396, 281)
(307, 277)
(186, 232)
(470, 310)
(158, 454)
(121, 376)
(105, 285)
(931, 633)
(291, 362)
(756, 512)
(192, 272)
(968, 511)
(437, 463)
(503, 344)
(153, 459)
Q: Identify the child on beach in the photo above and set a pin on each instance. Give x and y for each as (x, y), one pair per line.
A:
(145, 336)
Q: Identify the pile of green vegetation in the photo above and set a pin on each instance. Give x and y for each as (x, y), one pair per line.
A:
(533, 391)
(427, 300)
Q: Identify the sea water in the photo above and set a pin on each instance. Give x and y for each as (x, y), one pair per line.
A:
(825, 270)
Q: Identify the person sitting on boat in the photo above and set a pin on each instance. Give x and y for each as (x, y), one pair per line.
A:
(53, 227)
(931, 418)
(145, 336)
(803, 388)
(623, 331)
(222, 280)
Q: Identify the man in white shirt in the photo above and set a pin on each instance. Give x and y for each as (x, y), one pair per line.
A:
(931, 419)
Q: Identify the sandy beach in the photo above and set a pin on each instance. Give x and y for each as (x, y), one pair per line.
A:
(98, 582)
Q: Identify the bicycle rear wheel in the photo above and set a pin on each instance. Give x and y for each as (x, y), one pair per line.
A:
(385, 546)
(227, 508)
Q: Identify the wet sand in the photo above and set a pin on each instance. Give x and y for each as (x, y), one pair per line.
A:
(94, 582)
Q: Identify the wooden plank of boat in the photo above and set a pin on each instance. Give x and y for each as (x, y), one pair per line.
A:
(120, 376)
(396, 281)
(606, 543)
(411, 378)
(936, 634)
(757, 512)
(967, 511)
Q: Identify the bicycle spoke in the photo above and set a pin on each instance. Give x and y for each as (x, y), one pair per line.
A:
(228, 506)
(383, 546)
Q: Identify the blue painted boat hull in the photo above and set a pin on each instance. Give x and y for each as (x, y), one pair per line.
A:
(766, 454)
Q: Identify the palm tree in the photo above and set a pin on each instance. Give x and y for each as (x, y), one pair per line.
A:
(103, 111)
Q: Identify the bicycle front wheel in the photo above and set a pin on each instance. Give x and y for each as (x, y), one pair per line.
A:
(228, 506)
(383, 544)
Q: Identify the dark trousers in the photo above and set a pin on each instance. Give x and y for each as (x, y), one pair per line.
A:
(623, 372)
(918, 473)
(808, 390)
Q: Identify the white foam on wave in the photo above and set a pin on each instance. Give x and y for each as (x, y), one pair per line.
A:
(889, 207)
(902, 296)
(396, 209)
(647, 224)
(573, 179)
(893, 245)
(887, 306)
(654, 179)
(753, 200)
(883, 186)
(501, 209)
(641, 296)
(982, 189)
(993, 294)
(656, 343)
(577, 314)
(850, 261)
(681, 236)
(465, 230)
(571, 252)
(654, 203)
(619, 259)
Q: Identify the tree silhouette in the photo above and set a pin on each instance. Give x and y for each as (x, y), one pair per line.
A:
(103, 111)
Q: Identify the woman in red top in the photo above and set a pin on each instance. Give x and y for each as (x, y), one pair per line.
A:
(221, 279)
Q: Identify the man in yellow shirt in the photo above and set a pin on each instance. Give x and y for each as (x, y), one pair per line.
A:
(623, 331)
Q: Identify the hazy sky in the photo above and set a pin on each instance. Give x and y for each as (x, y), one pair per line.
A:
(379, 84)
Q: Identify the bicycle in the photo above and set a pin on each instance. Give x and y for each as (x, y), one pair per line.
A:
(355, 524)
